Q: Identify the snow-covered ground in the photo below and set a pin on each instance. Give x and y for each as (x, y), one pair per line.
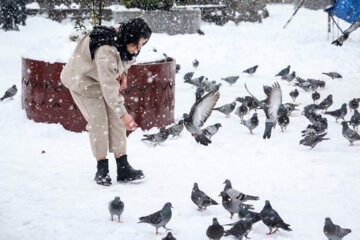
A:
(53, 195)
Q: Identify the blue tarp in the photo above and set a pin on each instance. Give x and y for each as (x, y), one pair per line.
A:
(347, 10)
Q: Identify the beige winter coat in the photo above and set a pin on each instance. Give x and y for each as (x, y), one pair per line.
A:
(98, 77)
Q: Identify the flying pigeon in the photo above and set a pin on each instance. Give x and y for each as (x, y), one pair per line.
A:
(9, 93)
(156, 138)
(215, 231)
(239, 230)
(226, 109)
(312, 139)
(326, 103)
(159, 218)
(176, 129)
(333, 231)
(251, 123)
(199, 113)
(201, 199)
(233, 193)
(267, 90)
(289, 77)
(231, 79)
(349, 134)
(333, 75)
(195, 63)
(294, 94)
(283, 72)
(354, 104)
(273, 103)
(232, 205)
(241, 111)
(272, 219)
(338, 113)
(116, 207)
(251, 70)
(315, 96)
(211, 130)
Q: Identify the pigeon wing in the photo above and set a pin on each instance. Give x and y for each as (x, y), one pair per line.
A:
(273, 102)
(201, 110)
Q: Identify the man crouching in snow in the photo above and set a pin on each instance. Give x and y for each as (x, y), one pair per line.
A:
(94, 74)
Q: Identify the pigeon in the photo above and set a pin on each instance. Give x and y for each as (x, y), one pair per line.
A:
(333, 231)
(289, 77)
(188, 76)
(201, 199)
(354, 104)
(226, 109)
(241, 111)
(169, 236)
(195, 81)
(355, 119)
(195, 63)
(211, 130)
(290, 107)
(177, 68)
(273, 103)
(333, 75)
(199, 113)
(251, 70)
(338, 113)
(326, 103)
(215, 231)
(248, 215)
(315, 96)
(156, 138)
(251, 123)
(232, 205)
(250, 102)
(307, 85)
(233, 193)
(349, 134)
(176, 129)
(231, 79)
(283, 72)
(316, 128)
(283, 121)
(200, 91)
(294, 94)
(283, 111)
(239, 230)
(311, 113)
(116, 207)
(272, 219)
(267, 90)
(9, 93)
(159, 218)
(312, 139)
(200, 32)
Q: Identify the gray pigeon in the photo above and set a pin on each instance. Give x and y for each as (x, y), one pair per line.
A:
(333, 231)
(354, 104)
(326, 103)
(233, 205)
(333, 75)
(312, 139)
(116, 207)
(226, 109)
(272, 219)
(349, 134)
(283, 121)
(239, 230)
(156, 138)
(159, 218)
(195, 63)
(211, 130)
(241, 111)
(294, 94)
(9, 93)
(176, 129)
(199, 113)
(215, 231)
(201, 199)
(338, 113)
(248, 215)
(231, 79)
(200, 91)
(315, 96)
(289, 77)
(355, 119)
(177, 68)
(283, 72)
(251, 123)
(169, 236)
(233, 193)
(251, 70)
(188, 76)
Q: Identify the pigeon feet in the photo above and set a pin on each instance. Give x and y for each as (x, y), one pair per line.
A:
(351, 144)
(168, 229)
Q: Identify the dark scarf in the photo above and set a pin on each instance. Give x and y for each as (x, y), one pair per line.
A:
(102, 35)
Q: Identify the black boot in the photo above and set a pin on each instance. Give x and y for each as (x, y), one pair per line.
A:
(101, 176)
(125, 172)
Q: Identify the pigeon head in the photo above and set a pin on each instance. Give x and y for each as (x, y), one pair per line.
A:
(181, 122)
(243, 211)
(117, 198)
(267, 204)
(228, 183)
(185, 116)
(344, 105)
(215, 221)
(167, 206)
(196, 187)
(330, 97)
(328, 221)
(344, 123)
(218, 125)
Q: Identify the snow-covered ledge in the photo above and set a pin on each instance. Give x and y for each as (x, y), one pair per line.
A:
(149, 97)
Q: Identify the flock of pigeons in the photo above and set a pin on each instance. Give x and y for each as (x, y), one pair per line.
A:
(233, 201)
(276, 112)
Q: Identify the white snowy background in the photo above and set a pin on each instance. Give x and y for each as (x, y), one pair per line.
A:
(53, 195)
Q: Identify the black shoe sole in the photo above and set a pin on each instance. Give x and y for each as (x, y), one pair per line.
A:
(131, 179)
